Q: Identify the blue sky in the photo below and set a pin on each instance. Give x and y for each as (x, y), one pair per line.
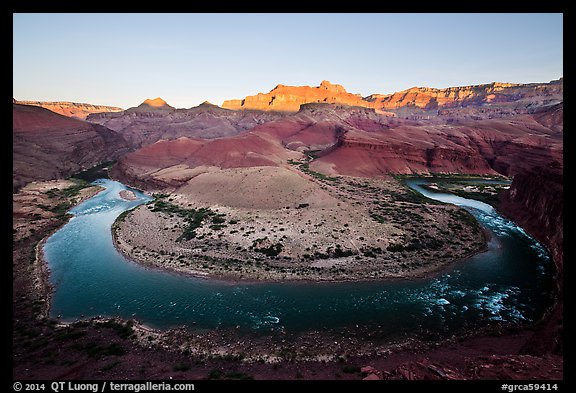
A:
(122, 59)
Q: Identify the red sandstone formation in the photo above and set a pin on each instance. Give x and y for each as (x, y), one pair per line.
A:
(551, 116)
(71, 109)
(46, 145)
(154, 120)
(477, 95)
(152, 105)
(535, 202)
(289, 98)
(182, 155)
(496, 97)
(483, 147)
(358, 141)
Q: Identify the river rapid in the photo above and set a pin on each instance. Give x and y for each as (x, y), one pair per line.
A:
(510, 282)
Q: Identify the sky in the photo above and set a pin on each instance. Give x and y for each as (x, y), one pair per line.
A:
(123, 59)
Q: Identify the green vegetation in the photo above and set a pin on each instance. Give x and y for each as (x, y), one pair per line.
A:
(454, 183)
(182, 367)
(218, 219)
(271, 250)
(413, 196)
(377, 218)
(63, 196)
(60, 209)
(194, 218)
(417, 244)
(487, 193)
(69, 334)
(304, 167)
(451, 176)
(312, 154)
(159, 195)
(123, 330)
(320, 176)
(331, 252)
(238, 375)
(96, 172)
(123, 215)
(110, 366)
(464, 216)
(371, 252)
(351, 369)
(217, 374)
(69, 192)
(95, 350)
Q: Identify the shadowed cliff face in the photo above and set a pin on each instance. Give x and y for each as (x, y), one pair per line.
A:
(535, 201)
(48, 146)
(535, 198)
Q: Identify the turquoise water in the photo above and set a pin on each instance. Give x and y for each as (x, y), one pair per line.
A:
(510, 282)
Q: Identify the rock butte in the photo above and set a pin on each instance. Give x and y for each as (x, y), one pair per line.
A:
(156, 102)
(289, 98)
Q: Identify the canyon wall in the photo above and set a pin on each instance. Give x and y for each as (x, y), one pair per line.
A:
(71, 109)
(535, 202)
(154, 120)
(46, 145)
(496, 98)
(493, 93)
(289, 98)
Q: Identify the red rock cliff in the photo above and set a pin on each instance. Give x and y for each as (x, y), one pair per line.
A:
(505, 97)
(289, 98)
(535, 202)
(46, 145)
(71, 109)
(492, 93)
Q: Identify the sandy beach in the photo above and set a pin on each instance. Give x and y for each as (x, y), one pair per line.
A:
(359, 230)
(128, 195)
(40, 207)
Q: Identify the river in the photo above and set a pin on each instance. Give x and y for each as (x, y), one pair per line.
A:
(510, 282)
